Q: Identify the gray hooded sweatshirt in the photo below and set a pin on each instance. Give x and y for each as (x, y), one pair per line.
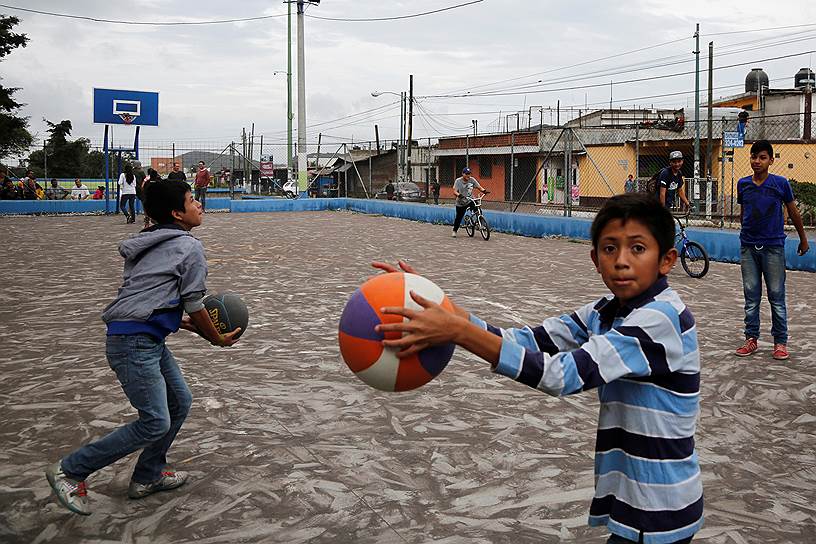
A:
(165, 272)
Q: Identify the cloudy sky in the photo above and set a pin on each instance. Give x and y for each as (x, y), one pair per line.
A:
(503, 55)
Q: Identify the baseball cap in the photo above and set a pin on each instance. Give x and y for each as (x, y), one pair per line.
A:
(466, 170)
(675, 155)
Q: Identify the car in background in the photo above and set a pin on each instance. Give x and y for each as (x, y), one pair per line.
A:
(404, 191)
(290, 189)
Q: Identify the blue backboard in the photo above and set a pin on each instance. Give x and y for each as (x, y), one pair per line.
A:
(119, 107)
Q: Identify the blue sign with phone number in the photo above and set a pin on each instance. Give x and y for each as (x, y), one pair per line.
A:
(733, 139)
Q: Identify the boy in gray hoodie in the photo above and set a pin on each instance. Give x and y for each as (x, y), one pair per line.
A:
(164, 275)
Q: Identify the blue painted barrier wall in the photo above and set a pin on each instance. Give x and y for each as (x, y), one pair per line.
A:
(723, 246)
(27, 207)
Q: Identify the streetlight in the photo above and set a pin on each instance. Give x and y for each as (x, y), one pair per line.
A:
(401, 145)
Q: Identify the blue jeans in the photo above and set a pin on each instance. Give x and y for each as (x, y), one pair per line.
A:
(768, 262)
(125, 201)
(152, 381)
(201, 196)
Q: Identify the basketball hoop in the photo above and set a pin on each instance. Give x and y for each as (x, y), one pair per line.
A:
(126, 118)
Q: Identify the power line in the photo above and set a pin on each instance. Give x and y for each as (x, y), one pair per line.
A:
(395, 18)
(142, 23)
(620, 70)
(638, 50)
(227, 21)
(759, 29)
(535, 88)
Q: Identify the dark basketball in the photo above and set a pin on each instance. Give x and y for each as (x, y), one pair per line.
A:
(227, 312)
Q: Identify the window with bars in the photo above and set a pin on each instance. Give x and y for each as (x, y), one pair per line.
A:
(486, 167)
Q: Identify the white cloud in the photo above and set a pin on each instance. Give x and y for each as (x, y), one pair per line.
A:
(216, 79)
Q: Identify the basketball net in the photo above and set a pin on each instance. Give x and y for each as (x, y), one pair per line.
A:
(127, 118)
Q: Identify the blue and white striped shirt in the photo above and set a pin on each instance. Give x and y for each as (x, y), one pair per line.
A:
(643, 358)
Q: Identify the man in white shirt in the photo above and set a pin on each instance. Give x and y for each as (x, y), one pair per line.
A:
(79, 191)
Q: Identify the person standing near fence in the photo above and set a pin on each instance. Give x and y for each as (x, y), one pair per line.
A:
(435, 190)
(463, 190)
(630, 186)
(202, 181)
(761, 197)
(127, 193)
(670, 182)
(177, 174)
(152, 177)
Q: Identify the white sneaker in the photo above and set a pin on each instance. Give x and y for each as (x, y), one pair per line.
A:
(453, 234)
(72, 494)
(169, 480)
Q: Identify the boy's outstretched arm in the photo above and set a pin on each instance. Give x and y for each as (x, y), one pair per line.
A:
(204, 327)
(796, 218)
(434, 325)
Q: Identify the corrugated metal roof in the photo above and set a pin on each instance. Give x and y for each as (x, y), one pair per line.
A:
(503, 150)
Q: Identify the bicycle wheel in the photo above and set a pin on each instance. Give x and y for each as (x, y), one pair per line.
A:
(484, 228)
(470, 227)
(694, 260)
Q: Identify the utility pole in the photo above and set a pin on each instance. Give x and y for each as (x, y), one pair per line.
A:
(697, 102)
(251, 154)
(401, 173)
(289, 115)
(710, 146)
(243, 157)
(303, 177)
(319, 141)
(410, 122)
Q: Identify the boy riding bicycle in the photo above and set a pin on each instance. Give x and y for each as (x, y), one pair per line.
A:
(463, 189)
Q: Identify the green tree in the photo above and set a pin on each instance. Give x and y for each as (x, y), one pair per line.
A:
(14, 135)
(71, 159)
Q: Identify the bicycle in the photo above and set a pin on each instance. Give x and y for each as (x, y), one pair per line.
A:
(475, 220)
(693, 255)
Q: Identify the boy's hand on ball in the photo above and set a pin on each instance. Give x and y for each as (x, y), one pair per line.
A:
(226, 340)
(427, 327)
(391, 268)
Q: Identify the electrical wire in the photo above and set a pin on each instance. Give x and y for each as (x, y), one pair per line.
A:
(535, 88)
(227, 21)
(685, 60)
(143, 23)
(394, 18)
(645, 48)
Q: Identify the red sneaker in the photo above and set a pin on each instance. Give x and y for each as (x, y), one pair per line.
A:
(748, 348)
(780, 352)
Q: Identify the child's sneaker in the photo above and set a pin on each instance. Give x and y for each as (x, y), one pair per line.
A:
(72, 494)
(748, 348)
(780, 352)
(453, 234)
(168, 480)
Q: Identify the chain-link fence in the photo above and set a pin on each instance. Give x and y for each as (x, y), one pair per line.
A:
(573, 170)
(567, 170)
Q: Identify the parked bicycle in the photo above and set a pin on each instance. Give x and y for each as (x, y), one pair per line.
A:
(475, 220)
(693, 255)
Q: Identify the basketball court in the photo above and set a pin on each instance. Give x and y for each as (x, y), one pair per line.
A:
(285, 444)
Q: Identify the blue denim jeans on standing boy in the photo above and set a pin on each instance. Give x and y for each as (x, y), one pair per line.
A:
(153, 383)
(768, 262)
